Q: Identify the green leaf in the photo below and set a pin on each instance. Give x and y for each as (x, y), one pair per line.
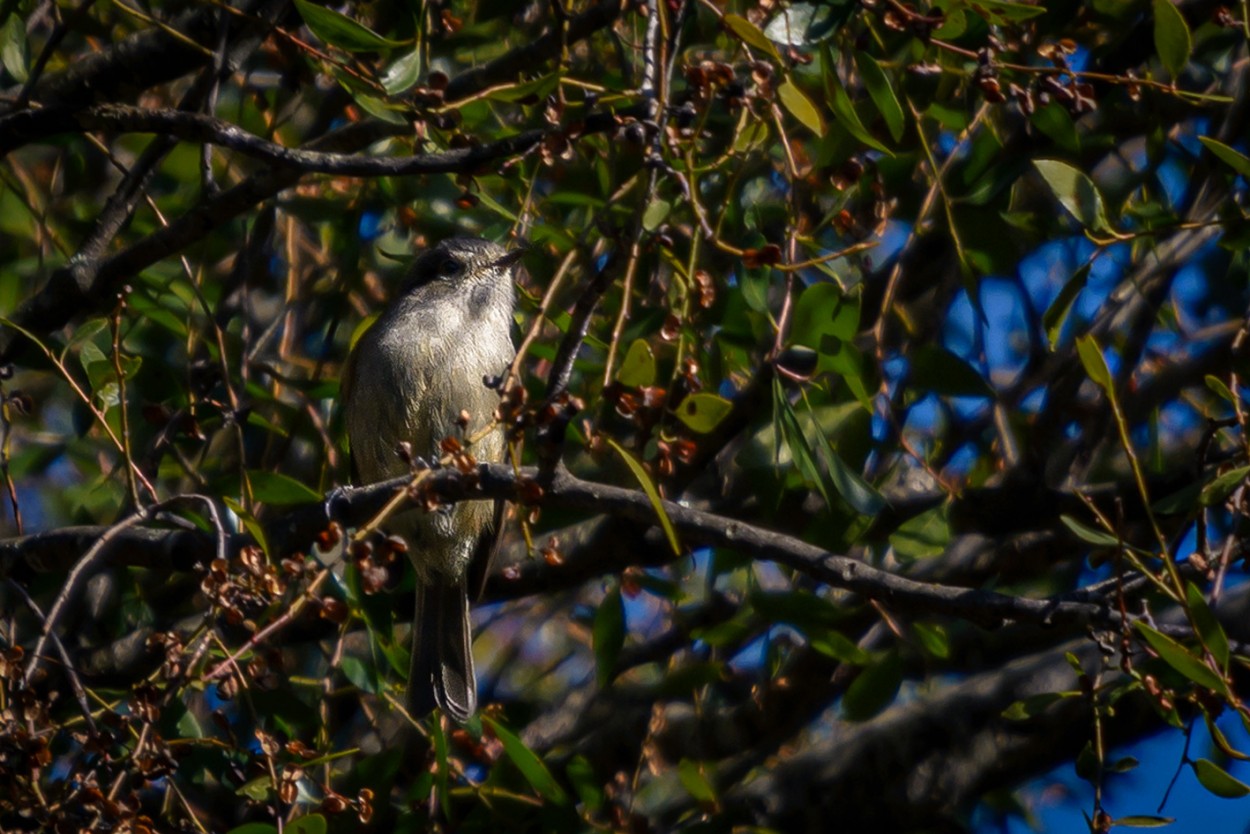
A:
(1086, 764)
(526, 761)
(1182, 659)
(695, 781)
(1026, 708)
(823, 311)
(840, 102)
(881, 91)
(1057, 313)
(1218, 780)
(1095, 364)
(1207, 626)
(933, 638)
(13, 51)
(1221, 390)
(923, 536)
(790, 433)
(1076, 192)
(1005, 11)
(250, 524)
(257, 790)
(841, 648)
(1217, 491)
(1238, 162)
(751, 35)
(801, 107)
(363, 676)
(703, 412)
(648, 486)
(1142, 821)
(655, 214)
(638, 369)
(861, 495)
(403, 73)
(1173, 41)
(1089, 534)
(340, 30)
(608, 635)
(582, 775)
(276, 489)
(936, 369)
(874, 689)
(254, 827)
(308, 824)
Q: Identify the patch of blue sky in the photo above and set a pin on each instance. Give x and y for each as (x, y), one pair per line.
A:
(1173, 177)
(1059, 798)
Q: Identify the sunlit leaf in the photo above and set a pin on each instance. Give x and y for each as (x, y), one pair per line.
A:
(280, 490)
(1217, 491)
(702, 412)
(801, 107)
(403, 73)
(1095, 363)
(1141, 821)
(1086, 533)
(751, 35)
(656, 213)
(1218, 780)
(648, 486)
(638, 368)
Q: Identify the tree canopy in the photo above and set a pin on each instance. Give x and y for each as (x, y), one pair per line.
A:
(877, 439)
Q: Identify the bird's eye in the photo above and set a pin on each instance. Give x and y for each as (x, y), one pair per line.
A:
(449, 267)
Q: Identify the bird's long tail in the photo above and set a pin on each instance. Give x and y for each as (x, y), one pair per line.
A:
(442, 673)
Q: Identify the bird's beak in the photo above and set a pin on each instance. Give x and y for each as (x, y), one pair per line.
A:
(510, 259)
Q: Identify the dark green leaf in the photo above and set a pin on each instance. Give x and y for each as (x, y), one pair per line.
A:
(874, 689)
(933, 638)
(257, 790)
(1034, 705)
(938, 370)
(1087, 766)
(588, 786)
(840, 102)
(1076, 192)
(838, 646)
(363, 676)
(1057, 313)
(277, 489)
(608, 635)
(1207, 626)
(13, 51)
(703, 412)
(531, 767)
(1172, 39)
(1219, 781)
(1182, 659)
(1005, 11)
(882, 93)
(1086, 533)
(1217, 385)
(308, 824)
(1239, 162)
(922, 536)
(339, 30)
(1217, 491)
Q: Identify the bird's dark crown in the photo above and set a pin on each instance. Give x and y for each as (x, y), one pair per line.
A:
(456, 259)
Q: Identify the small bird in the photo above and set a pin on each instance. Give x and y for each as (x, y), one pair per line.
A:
(423, 364)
